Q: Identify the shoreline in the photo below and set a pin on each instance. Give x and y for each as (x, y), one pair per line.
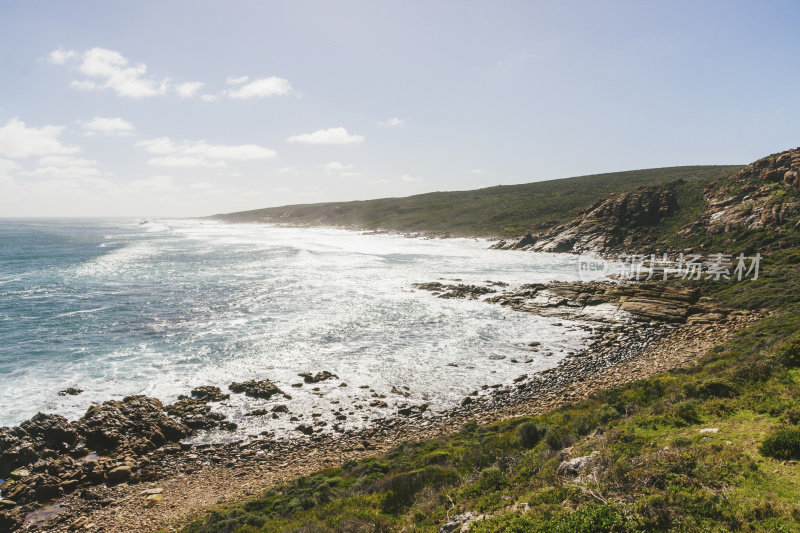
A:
(170, 484)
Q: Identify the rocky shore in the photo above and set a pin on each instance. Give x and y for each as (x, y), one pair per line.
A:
(126, 465)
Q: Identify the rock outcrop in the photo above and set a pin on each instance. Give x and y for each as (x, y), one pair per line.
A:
(618, 221)
(763, 195)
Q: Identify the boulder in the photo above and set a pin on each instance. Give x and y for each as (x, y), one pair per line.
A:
(257, 389)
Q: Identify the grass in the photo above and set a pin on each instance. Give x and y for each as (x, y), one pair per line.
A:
(507, 210)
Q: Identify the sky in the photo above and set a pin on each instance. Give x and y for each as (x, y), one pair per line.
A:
(190, 108)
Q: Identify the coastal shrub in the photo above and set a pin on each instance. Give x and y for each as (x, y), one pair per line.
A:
(530, 433)
(783, 444)
(492, 478)
(606, 414)
(400, 489)
(716, 388)
(558, 438)
(686, 413)
(792, 416)
(789, 353)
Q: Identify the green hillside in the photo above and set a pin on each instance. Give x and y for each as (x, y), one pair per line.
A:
(502, 211)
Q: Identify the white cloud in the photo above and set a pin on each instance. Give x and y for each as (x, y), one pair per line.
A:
(160, 145)
(184, 162)
(201, 153)
(477, 171)
(220, 151)
(329, 136)
(236, 80)
(201, 186)
(339, 168)
(113, 127)
(282, 189)
(108, 69)
(8, 166)
(17, 140)
(335, 166)
(392, 122)
(409, 179)
(61, 56)
(64, 167)
(154, 185)
(260, 88)
(208, 97)
(188, 89)
(286, 170)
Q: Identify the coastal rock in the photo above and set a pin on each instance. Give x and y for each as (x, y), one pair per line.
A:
(138, 422)
(620, 220)
(209, 393)
(197, 415)
(460, 522)
(461, 290)
(257, 389)
(71, 391)
(576, 466)
(758, 196)
(308, 377)
(118, 474)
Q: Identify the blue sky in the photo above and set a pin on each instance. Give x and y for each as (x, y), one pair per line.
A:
(184, 108)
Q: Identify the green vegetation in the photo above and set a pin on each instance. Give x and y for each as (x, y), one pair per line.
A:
(503, 211)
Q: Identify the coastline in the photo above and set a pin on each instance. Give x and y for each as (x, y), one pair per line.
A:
(183, 480)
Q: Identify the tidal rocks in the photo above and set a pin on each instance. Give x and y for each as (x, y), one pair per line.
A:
(264, 389)
(208, 393)
(118, 474)
(645, 301)
(197, 415)
(472, 292)
(43, 436)
(137, 422)
(308, 377)
(305, 429)
(71, 391)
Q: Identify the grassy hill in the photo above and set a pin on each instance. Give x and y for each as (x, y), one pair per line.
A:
(502, 211)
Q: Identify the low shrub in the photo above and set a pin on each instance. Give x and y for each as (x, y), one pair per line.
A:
(789, 353)
(783, 444)
(716, 388)
(530, 433)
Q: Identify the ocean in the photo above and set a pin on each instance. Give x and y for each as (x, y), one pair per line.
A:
(122, 306)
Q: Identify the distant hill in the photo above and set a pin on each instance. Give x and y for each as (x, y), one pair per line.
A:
(501, 211)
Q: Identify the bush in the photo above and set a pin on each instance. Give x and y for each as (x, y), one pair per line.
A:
(401, 489)
(783, 444)
(492, 479)
(558, 438)
(686, 413)
(530, 433)
(789, 353)
(716, 388)
(792, 416)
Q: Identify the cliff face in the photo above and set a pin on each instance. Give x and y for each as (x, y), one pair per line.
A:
(617, 221)
(763, 196)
